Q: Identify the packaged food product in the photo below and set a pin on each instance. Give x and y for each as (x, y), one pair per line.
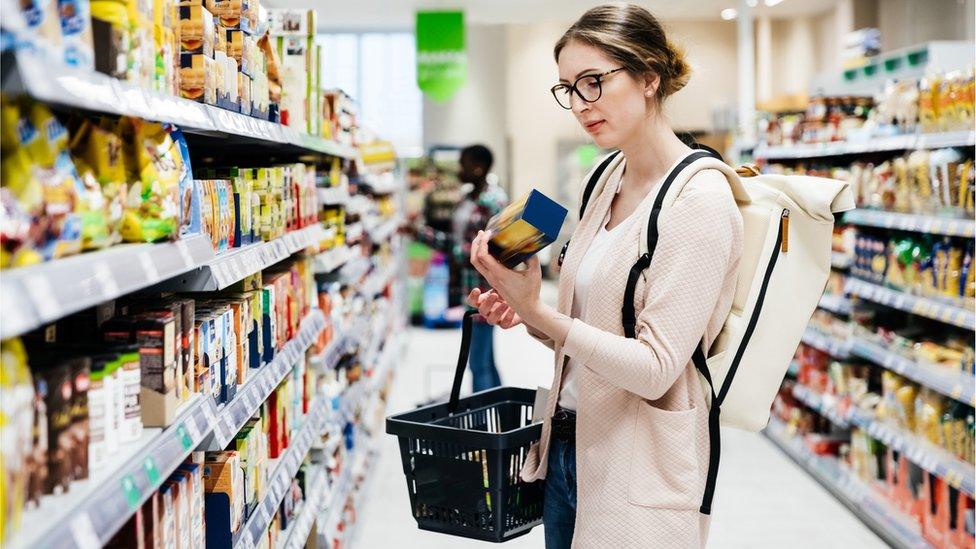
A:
(198, 78)
(110, 37)
(43, 23)
(97, 155)
(196, 30)
(76, 33)
(155, 166)
(16, 425)
(235, 14)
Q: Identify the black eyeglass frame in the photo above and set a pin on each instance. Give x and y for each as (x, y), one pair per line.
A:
(573, 89)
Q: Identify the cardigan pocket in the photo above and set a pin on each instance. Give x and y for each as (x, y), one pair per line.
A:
(664, 469)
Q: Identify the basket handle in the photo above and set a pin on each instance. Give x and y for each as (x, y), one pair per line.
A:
(462, 360)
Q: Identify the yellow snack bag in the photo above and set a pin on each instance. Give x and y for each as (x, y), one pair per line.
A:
(154, 164)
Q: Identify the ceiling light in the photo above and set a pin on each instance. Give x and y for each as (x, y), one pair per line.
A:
(752, 3)
(771, 3)
(729, 14)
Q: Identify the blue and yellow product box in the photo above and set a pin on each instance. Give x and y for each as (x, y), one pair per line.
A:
(524, 227)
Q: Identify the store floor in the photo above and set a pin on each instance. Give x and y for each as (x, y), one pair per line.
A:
(762, 500)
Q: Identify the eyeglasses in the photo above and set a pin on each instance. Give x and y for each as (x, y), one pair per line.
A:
(588, 87)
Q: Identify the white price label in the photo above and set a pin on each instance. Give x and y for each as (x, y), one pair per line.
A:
(83, 532)
(105, 279)
(192, 430)
(148, 267)
(42, 295)
(184, 252)
(248, 541)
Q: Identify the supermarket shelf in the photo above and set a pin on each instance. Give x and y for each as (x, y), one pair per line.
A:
(949, 226)
(922, 306)
(301, 526)
(232, 266)
(330, 260)
(824, 405)
(93, 510)
(232, 416)
(90, 513)
(840, 260)
(379, 280)
(957, 385)
(56, 83)
(340, 345)
(957, 473)
(834, 347)
(252, 531)
(878, 144)
(36, 295)
(836, 304)
(892, 526)
(385, 230)
(334, 196)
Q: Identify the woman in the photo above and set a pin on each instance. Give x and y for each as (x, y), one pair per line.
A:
(626, 422)
(471, 215)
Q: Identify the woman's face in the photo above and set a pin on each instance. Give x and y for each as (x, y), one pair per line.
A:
(624, 104)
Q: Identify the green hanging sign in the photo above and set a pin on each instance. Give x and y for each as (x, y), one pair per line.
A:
(442, 62)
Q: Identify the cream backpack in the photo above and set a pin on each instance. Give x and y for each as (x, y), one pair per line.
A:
(788, 225)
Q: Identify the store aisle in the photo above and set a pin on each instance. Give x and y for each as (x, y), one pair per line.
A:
(763, 499)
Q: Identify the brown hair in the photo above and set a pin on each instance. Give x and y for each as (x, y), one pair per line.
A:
(633, 37)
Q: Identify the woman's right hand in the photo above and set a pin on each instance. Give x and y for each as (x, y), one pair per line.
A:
(493, 308)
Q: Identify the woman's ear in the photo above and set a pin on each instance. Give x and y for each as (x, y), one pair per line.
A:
(651, 83)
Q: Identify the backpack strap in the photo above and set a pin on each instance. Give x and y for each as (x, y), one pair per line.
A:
(595, 177)
(628, 315)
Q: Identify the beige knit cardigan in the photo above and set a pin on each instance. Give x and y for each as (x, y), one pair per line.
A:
(642, 419)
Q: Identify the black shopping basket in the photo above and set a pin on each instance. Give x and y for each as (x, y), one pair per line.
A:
(462, 460)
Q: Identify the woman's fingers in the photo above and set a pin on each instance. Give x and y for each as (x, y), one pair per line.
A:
(474, 297)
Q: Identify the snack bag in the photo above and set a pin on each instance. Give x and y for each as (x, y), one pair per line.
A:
(155, 166)
(56, 216)
(191, 221)
(97, 155)
(16, 424)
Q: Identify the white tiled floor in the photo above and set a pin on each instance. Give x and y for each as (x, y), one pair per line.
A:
(762, 500)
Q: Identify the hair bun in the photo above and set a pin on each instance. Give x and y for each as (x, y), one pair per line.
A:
(677, 68)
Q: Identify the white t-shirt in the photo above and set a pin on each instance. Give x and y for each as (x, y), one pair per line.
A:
(584, 278)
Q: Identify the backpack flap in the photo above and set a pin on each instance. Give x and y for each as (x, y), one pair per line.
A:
(819, 197)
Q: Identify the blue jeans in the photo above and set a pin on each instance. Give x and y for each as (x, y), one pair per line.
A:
(484, 374)
(559, 511)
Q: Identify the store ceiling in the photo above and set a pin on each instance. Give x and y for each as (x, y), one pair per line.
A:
(399, 14)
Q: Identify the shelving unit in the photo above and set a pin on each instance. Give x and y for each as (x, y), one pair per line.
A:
(285, 470)
(101, 505)
(894, 143)
(957, 385)
(832, 346)
(329, 261)
(949, 312)
(231, 267)
(53, 82)
(948, 226)
(836, 304)
(957, 473)
(42, 293)
(301, 526)
(891, 525)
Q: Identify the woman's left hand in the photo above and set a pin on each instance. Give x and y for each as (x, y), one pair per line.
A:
(519, 288)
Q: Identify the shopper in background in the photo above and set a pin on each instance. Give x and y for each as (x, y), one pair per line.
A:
(624, 447)
(475, 208)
